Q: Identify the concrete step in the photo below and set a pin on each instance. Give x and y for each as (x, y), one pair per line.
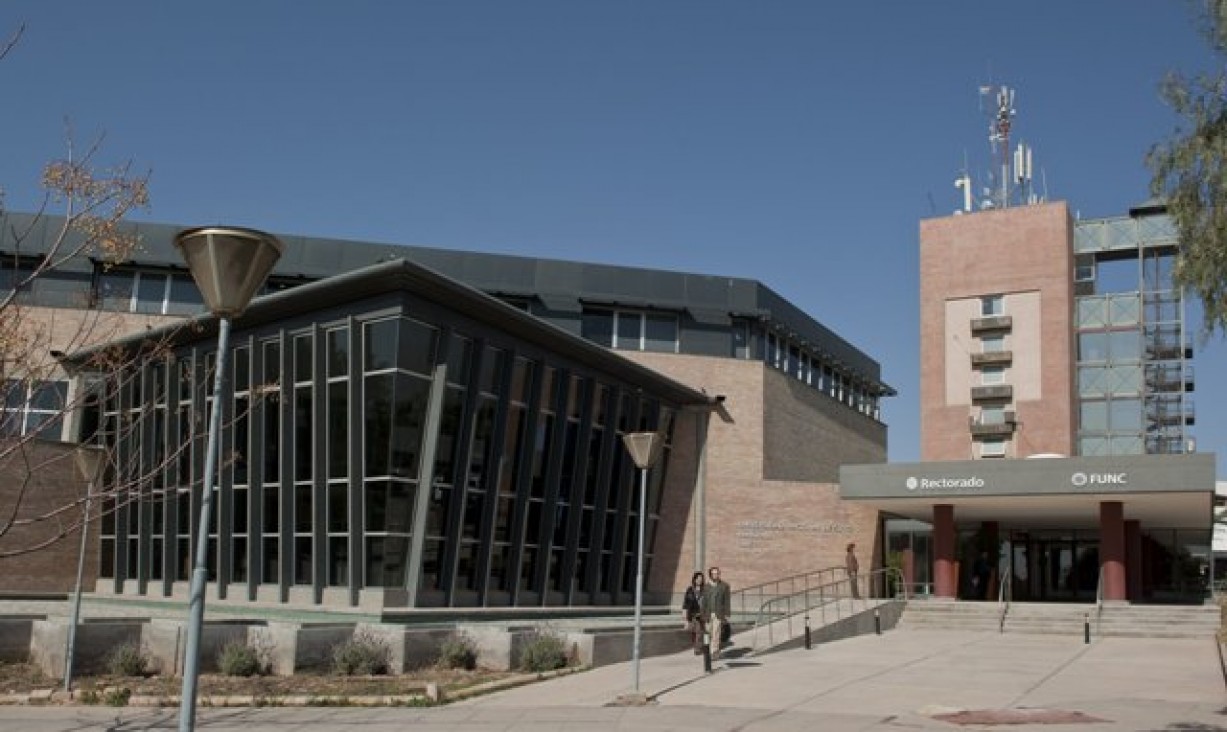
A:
(1141, 621)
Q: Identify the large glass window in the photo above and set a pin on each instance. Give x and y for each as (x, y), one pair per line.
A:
(1093, 415)
(990, 375)
(1093, 346)
(1125, 345)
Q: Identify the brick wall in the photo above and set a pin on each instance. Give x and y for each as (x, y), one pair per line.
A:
(808, 435)
(47, 473)
(758, 528)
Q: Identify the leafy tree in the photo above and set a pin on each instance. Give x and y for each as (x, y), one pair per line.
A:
(1190, 173)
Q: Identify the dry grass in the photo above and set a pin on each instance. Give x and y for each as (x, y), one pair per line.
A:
(24, 677)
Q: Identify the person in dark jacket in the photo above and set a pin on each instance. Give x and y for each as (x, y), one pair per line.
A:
(853, 568)
(718, 608)
(692, 609)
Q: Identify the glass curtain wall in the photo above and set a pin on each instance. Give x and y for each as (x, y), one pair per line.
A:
(531, 499)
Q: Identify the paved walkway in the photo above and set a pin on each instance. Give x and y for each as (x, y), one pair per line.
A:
(900, 680)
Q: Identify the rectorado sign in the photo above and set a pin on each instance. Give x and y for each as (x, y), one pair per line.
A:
(944, 484)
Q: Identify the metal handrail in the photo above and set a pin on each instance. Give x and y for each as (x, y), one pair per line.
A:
(1005, 593)
(833, 594)
(752, 596)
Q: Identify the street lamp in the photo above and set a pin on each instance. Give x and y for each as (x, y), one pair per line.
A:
(89, 464)
(229, 265)
(645, 449)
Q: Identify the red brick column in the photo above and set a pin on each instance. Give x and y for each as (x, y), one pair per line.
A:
(1133, 560)
(1112, 549)
(945, 571)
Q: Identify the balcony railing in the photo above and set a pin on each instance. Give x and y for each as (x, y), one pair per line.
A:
(989, 358)
(992, 392)
(993, 426)
(991, 323)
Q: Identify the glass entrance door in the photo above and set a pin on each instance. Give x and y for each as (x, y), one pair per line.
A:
(1054, 566)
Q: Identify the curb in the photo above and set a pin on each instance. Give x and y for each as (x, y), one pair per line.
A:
(432, 695)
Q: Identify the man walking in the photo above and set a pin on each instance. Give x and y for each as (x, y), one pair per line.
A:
(719, 607)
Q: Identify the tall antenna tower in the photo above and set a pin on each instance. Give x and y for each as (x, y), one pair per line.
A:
(1010, 173)
(1001, 116)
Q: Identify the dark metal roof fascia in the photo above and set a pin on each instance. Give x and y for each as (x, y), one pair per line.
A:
(560, 303)
(404, 275)
(710, 316)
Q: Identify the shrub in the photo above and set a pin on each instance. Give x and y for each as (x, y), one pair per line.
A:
(127, 660)
(117, 697)
(544, 651)
(89, 696)
(362, 655)
(458, 650)
(236, 658)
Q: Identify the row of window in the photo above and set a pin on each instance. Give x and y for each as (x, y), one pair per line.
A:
(122, 289)
(637, 330)
(527, 456)
(795, 360)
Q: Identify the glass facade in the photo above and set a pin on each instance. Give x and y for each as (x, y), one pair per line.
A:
(382, 451)
(1134, 375)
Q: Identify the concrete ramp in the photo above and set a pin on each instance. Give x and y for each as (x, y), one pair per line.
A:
(834, 619)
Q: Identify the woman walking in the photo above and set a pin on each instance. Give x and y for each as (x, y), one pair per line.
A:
(692, 609)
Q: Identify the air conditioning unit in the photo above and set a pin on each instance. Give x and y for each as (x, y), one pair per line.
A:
(1010, 417)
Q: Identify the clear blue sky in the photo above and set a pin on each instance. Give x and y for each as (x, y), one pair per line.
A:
(794, 142)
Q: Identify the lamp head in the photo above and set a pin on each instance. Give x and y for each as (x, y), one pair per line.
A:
(229, 264)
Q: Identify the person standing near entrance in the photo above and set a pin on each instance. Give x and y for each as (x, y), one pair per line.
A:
(981, 573)
(718, 607)
(853, 567)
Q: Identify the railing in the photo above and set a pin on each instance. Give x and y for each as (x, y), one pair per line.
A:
(1005, 593)
(747, 600)
(839, 598)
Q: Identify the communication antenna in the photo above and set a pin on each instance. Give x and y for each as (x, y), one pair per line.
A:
(1022, 174)
(964, 182)
(1001, 117)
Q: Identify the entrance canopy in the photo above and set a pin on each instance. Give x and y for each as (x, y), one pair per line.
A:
(1159, 491)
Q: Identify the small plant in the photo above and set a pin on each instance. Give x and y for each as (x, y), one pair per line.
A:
(414, 701)
(237, 658)
(127, 660)
(362, 655)
(90, 697)
(544, 651)
(117, 696)
(458, 650)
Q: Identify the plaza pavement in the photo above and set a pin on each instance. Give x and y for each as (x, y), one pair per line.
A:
(896, 681)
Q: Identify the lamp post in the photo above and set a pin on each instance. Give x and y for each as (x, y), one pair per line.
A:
(645, 448)
(89, 464)
(229, 265)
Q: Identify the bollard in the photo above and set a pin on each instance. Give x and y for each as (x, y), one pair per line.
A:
(1086, 628)
(877, 621)
(809, 641)
(706, 658)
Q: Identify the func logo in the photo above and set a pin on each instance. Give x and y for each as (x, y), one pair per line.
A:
(1104, 479)
(911, 483)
